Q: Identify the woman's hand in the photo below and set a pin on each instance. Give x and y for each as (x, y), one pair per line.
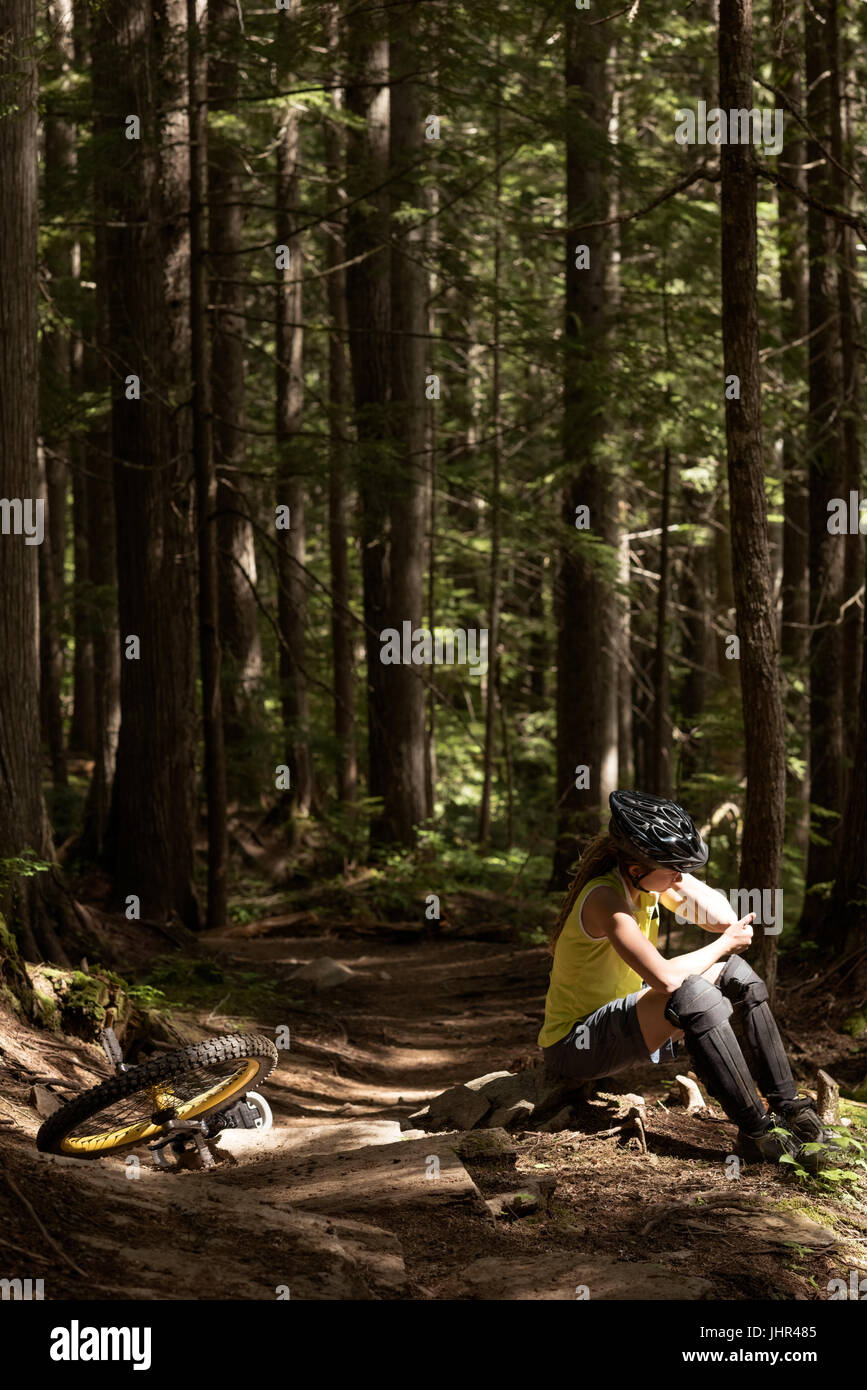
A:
(739, 935)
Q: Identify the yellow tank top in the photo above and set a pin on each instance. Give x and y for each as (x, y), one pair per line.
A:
(587, 974)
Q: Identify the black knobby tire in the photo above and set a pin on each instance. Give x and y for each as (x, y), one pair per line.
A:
(232, 1047)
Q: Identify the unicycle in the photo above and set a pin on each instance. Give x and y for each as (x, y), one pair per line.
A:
(172, 1103)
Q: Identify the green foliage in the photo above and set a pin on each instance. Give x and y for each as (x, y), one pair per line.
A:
(829, 1179)
(178, 983)
(23, 865)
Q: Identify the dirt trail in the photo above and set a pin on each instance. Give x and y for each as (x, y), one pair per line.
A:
(364, 1222)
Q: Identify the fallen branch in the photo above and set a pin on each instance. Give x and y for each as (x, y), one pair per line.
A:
(719, 1200)
(690, 1095)
(31, 1254)
(58, 1081)
(51, 1241)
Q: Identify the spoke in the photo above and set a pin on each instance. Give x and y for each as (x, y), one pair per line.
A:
(171, 1094)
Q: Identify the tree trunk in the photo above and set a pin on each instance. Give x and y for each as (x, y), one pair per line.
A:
(846, 283)
(369, 320)
(405, 793)
(144, 187)
(291, 483)
(493, 681)
(625, 727)
(764, 733)
(827, 477)
(695, 590)
(56, 389)
(585, 599)
(52, 483)
(23, 823)
(206, 480)
(791, 238)
(660, 782)
(339, 500)
(100, 573)
(241, 671)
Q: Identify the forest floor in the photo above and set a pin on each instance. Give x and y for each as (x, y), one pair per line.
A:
(331, 1203)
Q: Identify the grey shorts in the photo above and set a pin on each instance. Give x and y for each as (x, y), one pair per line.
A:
(604, 1042)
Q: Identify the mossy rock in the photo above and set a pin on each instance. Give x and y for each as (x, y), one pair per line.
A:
(81, 1004)
(15, 989)
(857, 1115)
(856, 1026)
(47, 1011)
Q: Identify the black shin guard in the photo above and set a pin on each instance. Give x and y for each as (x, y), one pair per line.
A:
(742, 986)
(703, 1013)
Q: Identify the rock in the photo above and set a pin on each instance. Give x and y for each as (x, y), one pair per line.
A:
(324, 973)
(515, 1116)
(561, 1276)
(504, 1089)
(787, 1228)
(564, 1119)
(632, 1099)
(496, 1096)
(484, 1146)
(513, 1204)
(45, 1102)
(485, 1080)
(526, 1201)
(342, 1136)
(383, 1177)
(458, 1108)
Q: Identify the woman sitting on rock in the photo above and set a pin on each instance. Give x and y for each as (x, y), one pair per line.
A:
(599, 1019)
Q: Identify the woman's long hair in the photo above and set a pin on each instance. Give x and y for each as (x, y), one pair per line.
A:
(602, 853)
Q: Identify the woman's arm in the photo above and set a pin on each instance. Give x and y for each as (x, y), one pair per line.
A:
(606, 915)
(695, 902)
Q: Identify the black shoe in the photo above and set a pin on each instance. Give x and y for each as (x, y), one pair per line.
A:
(769, 1145)
(800, 1117)
(778, 1139)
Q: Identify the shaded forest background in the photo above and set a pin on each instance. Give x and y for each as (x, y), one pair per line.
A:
(325, 318)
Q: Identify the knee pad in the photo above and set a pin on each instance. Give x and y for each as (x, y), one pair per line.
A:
(740, 983)
(697, 1006)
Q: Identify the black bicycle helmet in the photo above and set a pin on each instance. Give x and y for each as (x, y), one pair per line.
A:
(660, 830)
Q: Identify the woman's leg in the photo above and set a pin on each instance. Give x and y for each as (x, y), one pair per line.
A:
(655, 1027)
(764, 1046)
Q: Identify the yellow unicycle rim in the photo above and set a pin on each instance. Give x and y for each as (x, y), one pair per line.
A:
(162, 1097)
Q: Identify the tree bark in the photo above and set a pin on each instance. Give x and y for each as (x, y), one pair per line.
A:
(206, 480)
(584, 593)
(241, 670)
(100, 572)
(23, 823)
(339, 497)
(405, 793)
(791, 240)
(660, 783)
(764, 733)
(56, 353)
(827, 477)
(369, 320)
(494, 599)
(144, 187)
(846, 283)
(695, 589)
(291, 480)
